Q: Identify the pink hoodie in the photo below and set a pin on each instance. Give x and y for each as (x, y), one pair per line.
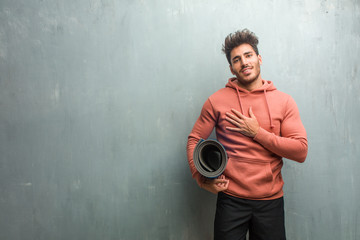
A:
(254, 165)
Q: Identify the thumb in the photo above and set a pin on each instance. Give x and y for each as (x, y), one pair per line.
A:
(251, 114)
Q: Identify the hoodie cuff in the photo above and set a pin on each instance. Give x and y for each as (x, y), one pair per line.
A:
(262, 133)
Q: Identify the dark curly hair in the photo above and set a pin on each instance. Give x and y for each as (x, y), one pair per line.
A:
(237, 38)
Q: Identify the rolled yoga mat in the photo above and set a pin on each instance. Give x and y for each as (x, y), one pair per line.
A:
(210, 158)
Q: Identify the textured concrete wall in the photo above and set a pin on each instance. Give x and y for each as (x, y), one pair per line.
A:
(97, 99)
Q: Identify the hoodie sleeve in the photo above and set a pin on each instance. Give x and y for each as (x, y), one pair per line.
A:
(292, 142)
(201, 130)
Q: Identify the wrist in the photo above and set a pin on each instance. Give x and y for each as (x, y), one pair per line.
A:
(255, 132)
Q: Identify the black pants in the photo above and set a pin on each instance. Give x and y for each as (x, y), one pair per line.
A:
(264, 219)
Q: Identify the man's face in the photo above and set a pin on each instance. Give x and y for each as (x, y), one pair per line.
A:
(245, 64)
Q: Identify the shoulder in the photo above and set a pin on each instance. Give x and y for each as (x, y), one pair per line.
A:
(282, 101)
(279, 94)
(221, 94)
(280, 97)
(222, 99)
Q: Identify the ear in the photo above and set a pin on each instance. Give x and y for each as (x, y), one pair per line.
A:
(260, 59)
(232, 71)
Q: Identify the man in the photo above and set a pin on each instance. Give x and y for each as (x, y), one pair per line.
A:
(258, 126)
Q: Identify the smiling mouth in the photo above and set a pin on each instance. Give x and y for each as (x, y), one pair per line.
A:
(246, 70)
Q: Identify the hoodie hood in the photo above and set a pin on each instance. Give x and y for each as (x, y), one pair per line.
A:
(266, 87)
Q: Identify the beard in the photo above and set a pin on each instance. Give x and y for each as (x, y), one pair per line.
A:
(249, 79)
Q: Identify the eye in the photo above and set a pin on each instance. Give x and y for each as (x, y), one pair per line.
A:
(235, 60)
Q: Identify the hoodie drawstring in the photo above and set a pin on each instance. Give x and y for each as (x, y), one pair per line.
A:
(241, 108)
(232, 84)
(267, 104)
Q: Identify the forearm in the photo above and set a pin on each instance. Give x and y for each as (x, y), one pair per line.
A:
(192, 141)
(294, 148)
(202, 129)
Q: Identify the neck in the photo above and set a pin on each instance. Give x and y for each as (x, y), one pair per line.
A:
(251, 85)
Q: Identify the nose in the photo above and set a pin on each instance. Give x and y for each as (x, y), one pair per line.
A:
(243, 62)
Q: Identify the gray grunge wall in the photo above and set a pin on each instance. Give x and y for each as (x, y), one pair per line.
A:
(97, 98)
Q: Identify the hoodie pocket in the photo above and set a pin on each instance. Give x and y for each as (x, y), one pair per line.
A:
(250, 178)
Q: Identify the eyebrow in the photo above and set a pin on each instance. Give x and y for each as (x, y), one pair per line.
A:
(237, 56)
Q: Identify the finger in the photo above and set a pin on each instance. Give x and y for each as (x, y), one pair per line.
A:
(221, 184)
(237, 124)
(220, 178)
(229, 115)
(251, 114)
(220, 181)
(234, 129)
(226, 185)
(237, 113)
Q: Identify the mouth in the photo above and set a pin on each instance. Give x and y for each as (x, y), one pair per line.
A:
(246, 70)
